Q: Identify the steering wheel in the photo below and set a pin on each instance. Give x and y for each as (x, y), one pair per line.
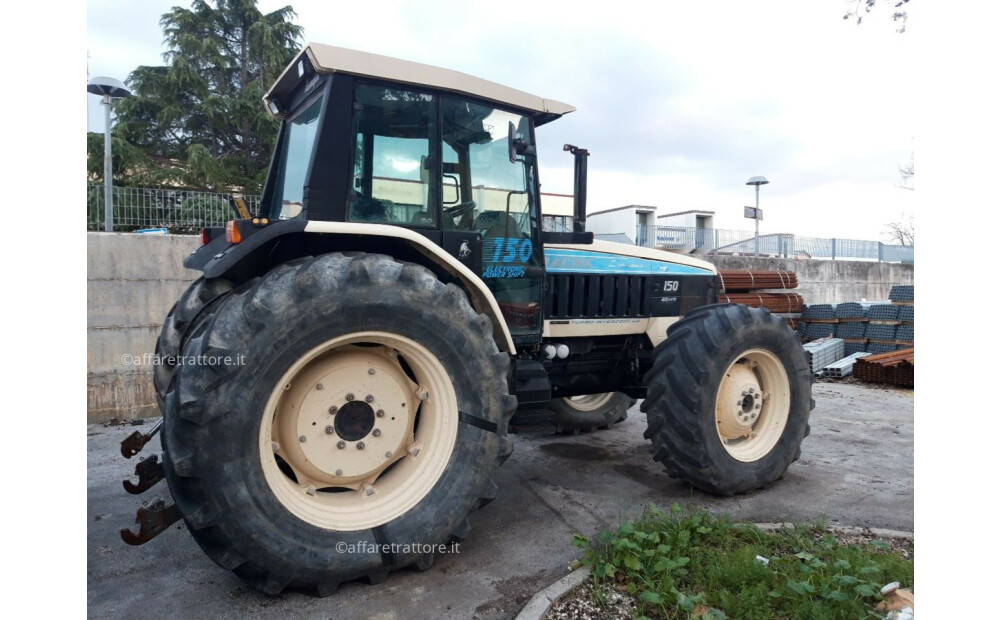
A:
(459, 209)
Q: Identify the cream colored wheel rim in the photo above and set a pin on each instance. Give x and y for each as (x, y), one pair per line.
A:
(752, 405)
(363, 439)
(589, 402)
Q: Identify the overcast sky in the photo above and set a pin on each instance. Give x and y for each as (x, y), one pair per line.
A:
(678, 108)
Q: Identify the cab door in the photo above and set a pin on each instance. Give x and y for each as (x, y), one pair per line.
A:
(490, 182)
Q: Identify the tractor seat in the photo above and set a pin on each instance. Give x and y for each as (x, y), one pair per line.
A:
(496, 224)
(422, 218)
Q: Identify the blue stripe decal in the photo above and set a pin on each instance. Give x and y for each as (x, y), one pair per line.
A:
(577, 261)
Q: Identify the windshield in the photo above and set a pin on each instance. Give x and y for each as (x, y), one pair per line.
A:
(293, 163)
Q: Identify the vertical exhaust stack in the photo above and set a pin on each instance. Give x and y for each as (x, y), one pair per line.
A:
(579, 186)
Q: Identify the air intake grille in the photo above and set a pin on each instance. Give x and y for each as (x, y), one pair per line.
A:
(581, 296)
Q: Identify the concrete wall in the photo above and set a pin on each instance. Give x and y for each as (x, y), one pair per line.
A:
(828, 281)
(132, 282)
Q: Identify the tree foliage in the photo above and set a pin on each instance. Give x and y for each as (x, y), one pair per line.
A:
(861, 8)
(198, 121)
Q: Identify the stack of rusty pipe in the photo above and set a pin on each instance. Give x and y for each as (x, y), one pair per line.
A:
(747, 287)
(894, 368)
(743, 280)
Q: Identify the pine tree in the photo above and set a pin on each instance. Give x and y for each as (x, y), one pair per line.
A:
(199, 121)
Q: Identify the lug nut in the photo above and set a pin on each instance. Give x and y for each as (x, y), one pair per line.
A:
(380, 413)
(333, 410)
(369, 399)
(414, 451)
(329, 430)
(377, 432)
(339, 472)
(369, 490)
(349, 396)
(311, 490)
(319, 386)
(302, 438)
(341, 444)
(422, 394)
(361, 445)
(388, 455)
(371, 371)
(275, 446)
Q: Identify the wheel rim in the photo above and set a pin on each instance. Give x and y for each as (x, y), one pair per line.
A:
(752, 405)
(589, 402)
(358, 430)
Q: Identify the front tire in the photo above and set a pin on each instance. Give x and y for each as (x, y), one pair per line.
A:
(590, 412)
(728, 399)
(359, 430)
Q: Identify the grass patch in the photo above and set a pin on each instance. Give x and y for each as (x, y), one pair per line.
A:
(683, 564)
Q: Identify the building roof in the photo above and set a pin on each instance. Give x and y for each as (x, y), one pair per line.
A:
(330, 59)
(700, 211)
(642, 208)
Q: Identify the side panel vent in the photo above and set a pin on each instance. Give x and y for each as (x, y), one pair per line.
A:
(606, 296)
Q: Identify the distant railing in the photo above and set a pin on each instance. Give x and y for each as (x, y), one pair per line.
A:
(780, 245)
(135, 208)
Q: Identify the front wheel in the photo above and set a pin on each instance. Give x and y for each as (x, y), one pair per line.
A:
(590, 412)
(728, 399)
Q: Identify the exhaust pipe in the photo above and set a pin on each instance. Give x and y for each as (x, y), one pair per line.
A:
(579, 186)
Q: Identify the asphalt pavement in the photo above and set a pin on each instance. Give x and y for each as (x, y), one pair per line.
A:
(856, 469)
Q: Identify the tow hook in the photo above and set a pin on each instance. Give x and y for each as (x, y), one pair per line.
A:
(152, 520)
(149, 471)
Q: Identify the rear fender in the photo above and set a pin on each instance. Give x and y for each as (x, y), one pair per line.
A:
(283, 241)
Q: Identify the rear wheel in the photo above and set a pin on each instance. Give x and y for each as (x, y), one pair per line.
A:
(728, 399)
(590, 412)
(360, 428)
(180, 322)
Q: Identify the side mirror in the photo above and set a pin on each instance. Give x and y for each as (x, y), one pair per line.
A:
(511, 149)
(517, 147)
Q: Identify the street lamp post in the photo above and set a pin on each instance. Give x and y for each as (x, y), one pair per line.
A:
(757, 182)
(108, 89)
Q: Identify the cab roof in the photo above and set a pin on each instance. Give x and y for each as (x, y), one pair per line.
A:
(330, 59)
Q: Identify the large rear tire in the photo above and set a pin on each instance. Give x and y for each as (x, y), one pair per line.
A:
(728, 399)
(359, 429)
(180, 322)
(590, 412)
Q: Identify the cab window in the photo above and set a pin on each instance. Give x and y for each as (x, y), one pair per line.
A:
(394, 132)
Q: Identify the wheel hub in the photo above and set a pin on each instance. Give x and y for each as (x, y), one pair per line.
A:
(354, 420)
(345, 392)
(739, 402)
(752, 405)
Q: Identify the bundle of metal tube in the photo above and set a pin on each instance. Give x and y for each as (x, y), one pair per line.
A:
(775, 302)
(822, 353)
(895, 367)
(843, 367)
(739, 280)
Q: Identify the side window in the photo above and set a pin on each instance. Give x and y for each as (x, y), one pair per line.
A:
(293, 162)
(394, 133)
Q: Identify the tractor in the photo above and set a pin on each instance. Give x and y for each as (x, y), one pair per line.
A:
(338, 386)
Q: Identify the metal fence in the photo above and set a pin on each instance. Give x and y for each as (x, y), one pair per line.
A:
(782, 245)
(183, 210)
(135, 208)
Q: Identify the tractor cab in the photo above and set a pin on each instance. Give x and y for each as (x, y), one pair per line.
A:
(369, 139)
